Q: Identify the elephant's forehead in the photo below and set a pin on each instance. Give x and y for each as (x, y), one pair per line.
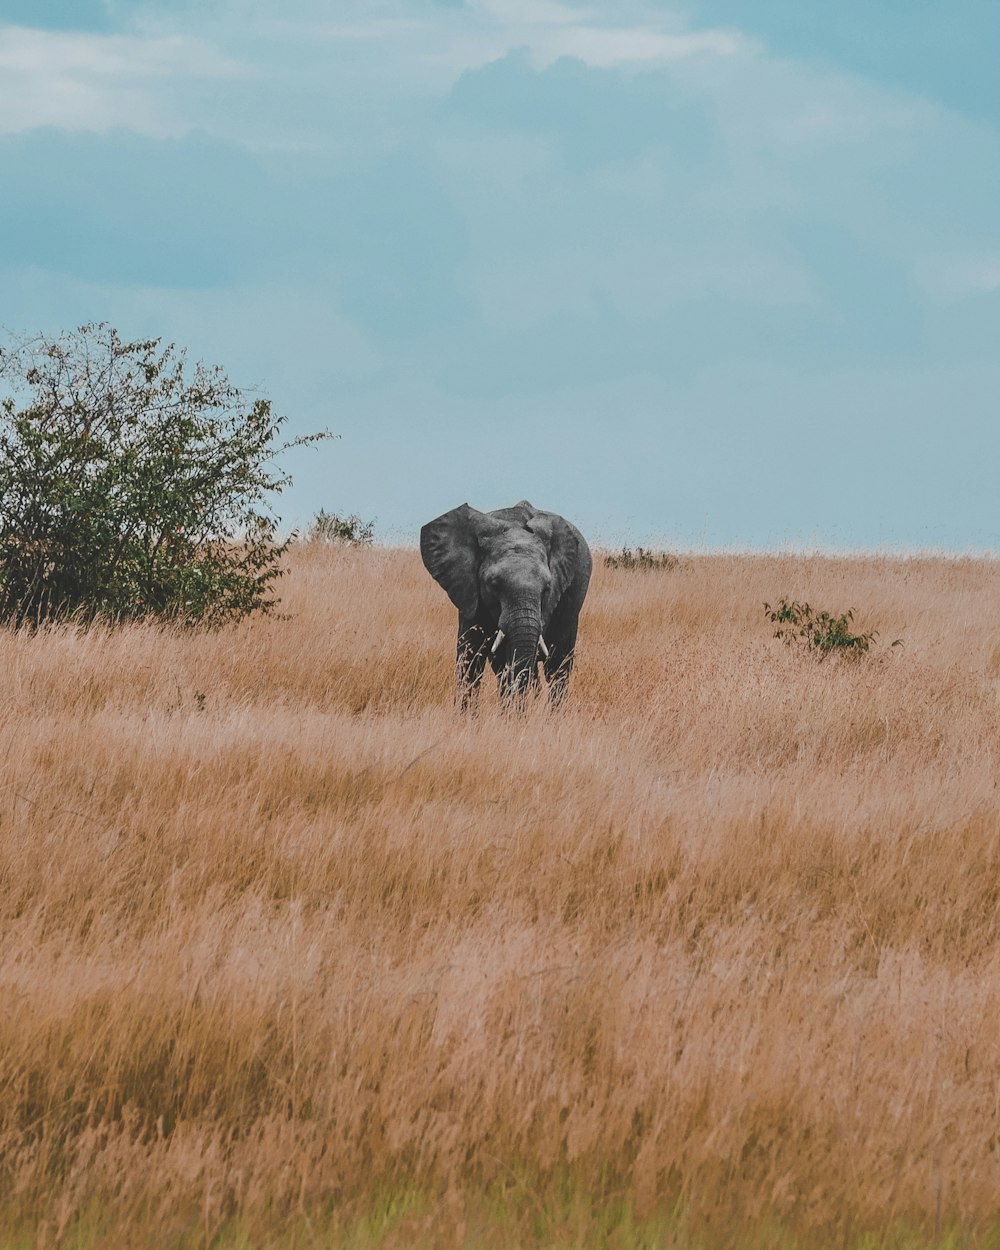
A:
(513, 542)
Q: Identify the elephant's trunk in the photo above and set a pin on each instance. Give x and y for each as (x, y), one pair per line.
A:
(522, 625)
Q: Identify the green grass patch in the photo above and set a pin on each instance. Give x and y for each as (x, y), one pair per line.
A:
(512, 1216)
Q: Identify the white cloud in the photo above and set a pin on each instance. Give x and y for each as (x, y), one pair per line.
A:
(987, 276)
(454, 40)
(340, 32)
(161, 78)
(605, 47)
(847, 111)
(951, 277)
(94, 82)
(550, 31)
(529, 12)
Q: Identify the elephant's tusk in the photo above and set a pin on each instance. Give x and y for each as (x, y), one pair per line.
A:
(496, 642)
(542, 647)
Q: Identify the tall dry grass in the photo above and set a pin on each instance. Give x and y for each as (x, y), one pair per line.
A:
(281, 932)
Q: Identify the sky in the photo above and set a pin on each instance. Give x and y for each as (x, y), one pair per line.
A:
(699, 273)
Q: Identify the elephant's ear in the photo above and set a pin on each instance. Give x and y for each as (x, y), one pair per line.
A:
(568, 554)
(450, 550)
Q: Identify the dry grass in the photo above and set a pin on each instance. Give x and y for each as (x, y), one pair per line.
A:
(287, 944)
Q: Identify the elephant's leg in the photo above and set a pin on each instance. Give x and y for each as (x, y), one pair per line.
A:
(473, 645)
(558, 665)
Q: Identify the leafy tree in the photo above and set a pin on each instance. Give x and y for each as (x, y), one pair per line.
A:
(132, 485)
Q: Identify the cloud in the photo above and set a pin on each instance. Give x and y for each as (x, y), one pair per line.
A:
(91, 82)
(381, 29)
(165, 73)
(552, 31)
(985, 276)
(954, 277)
(596, 116)
(637, 45)
(939, 52)
(527, 12)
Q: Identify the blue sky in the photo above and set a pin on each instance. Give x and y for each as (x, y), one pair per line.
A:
(705, 273)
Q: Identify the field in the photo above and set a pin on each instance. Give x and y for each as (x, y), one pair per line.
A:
(293, 955)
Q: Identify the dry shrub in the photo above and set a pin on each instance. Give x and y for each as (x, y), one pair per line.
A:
(283, 934)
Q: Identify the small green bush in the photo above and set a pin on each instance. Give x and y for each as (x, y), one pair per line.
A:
(820, 632)
(330, 527)
(132, 486)
(643, 560)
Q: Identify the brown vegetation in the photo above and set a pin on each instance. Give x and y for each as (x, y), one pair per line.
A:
(718, 941)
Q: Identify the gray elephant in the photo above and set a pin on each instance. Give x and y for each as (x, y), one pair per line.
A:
(518, 577)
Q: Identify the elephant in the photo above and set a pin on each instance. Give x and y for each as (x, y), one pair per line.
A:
(518, 577)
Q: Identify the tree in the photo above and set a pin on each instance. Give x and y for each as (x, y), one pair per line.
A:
(132, 486)
(333, 529)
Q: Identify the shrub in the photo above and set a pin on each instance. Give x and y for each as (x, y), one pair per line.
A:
(643, 560)
(821, 632)
(330, 527)
(131, 485)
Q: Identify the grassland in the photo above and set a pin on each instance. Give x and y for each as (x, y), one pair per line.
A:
(294, 955)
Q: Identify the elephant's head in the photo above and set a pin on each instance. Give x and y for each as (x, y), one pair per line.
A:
(504, 571)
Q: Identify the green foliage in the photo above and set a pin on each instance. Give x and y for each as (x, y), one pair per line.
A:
(330, 527)
(131, 485)
(820, 632)
(558, 1213)
(643, 560)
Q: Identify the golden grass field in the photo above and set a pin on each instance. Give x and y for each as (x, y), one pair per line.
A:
(293, 954)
